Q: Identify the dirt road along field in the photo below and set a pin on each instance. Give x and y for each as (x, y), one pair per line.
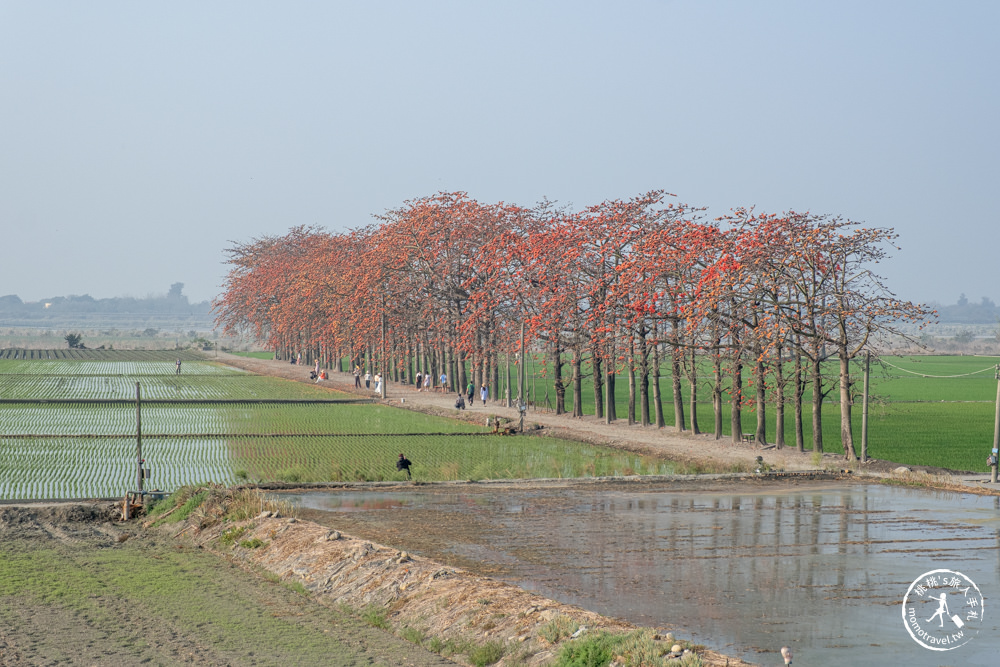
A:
(701, 451)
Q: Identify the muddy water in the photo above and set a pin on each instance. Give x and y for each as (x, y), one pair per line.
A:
(820, 568)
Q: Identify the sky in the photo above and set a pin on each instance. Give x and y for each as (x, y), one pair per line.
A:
(139, 141)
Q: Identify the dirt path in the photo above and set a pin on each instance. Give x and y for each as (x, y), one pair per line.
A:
(696, 450)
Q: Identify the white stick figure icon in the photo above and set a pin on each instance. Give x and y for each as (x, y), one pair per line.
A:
(941, 610)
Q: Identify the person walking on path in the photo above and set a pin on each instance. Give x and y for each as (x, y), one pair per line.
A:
(471, 393)
(368, 379)
(484, 393)
(444, 382)
(178, 371)
(357, 377)
(420, 380)
(427, 382)
(402, 464)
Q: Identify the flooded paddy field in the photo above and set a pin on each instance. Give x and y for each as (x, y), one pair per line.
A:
(743, 566)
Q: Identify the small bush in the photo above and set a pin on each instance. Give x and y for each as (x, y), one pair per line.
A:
(254, 543)
(248, 503)
(593, 650)
(558, 628)
(297, 586)
(160, 506)
(375, 617)
(447, 648)
(188, 507)
(486, 654)
(412, 635)
(637, 648)
(230, 536)
(212, 504)
(293, 475)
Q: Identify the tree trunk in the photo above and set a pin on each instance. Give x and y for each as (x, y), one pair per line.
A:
(846, 437)
(577, 363)
(597, 368)
(717, 393)
(631, 380)
(779, 401)
(657, 398)
(817, 402)
(675, 376)
(800, 388)
(557, 379)
(508, 394)
(495, 376)
(693, 381)
(736, 398)
(610, 405)
(760, 388)
(610, 408)
(643, 378)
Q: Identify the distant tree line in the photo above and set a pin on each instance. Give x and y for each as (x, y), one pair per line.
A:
(174, 302)
(968, 312)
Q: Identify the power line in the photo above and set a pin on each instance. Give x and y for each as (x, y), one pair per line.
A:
(926, 375)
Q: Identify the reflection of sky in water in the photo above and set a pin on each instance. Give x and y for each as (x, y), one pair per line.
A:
(822, 570)
(350, 502)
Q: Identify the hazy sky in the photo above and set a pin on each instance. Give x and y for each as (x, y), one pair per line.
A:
(138, 139)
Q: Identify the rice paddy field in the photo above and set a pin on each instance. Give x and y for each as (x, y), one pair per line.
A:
(68, 429)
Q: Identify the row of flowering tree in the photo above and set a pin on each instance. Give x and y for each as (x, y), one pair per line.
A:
(750, 307)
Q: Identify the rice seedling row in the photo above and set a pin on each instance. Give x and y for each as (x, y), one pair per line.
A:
(99, 368)
(103, 467)
(158, 388)
(100, 467)
(221, 419)
(435, 457)
(99, 355)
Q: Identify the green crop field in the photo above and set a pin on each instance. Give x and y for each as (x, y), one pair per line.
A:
(68, 430)
(255, 355)
(923, 410)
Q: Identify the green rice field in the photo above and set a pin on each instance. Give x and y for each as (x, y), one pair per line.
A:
(68, 430)
(923, 410)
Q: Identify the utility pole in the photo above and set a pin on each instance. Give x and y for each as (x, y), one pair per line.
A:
(138, 439)
(507, 391)
(521, 371)
(522, 403)
(996, 434)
